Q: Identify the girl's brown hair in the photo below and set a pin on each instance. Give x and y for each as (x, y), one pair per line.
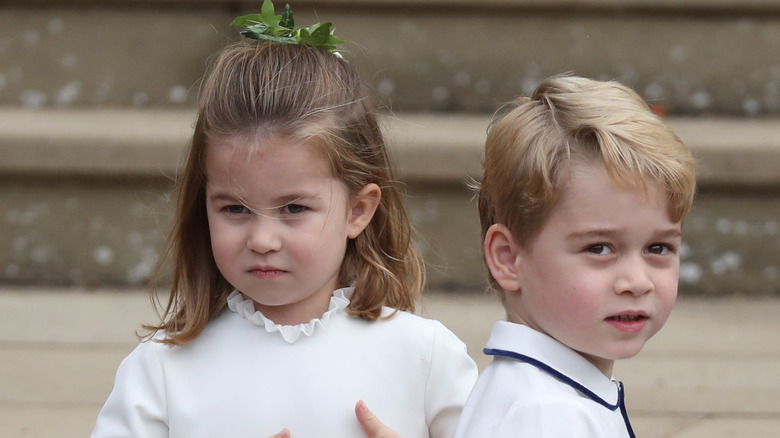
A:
(302, 93)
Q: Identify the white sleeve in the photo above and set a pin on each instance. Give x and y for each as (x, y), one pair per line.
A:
(136, 406)
(551, 419)
(452, 375)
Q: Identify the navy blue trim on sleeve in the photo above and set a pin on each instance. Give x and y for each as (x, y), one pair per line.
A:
(569, 381)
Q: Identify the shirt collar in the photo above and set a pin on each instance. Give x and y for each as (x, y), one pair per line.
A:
(523, 343)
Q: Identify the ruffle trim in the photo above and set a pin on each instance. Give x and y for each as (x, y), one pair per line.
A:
(290, 333)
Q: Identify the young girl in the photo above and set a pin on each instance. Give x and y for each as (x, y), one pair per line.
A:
(293, 271)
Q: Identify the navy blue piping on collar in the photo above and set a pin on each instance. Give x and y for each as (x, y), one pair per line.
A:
(569, 381)
(622, 401)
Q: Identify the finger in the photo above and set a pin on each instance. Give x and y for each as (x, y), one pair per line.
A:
(371, 424)
(283, 434)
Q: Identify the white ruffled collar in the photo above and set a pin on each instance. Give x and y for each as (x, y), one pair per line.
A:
(290, 333)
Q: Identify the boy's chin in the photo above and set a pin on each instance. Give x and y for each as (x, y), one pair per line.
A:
(612, 355)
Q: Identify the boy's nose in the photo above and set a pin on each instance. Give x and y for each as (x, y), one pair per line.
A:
(264, 235)
(633, 278)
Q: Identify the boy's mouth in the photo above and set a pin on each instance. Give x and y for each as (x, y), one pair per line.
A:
(628, 323)
(626, 318)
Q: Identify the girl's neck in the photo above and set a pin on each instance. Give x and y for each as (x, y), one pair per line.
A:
(301, 313)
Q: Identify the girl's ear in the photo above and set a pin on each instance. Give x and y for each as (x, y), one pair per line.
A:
(502, 256)
(362, 209)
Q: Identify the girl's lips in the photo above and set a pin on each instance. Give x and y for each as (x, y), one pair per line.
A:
(266, 273)
(629, 322)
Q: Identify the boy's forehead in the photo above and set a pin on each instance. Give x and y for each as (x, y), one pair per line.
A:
(592, 181)
(582, 171)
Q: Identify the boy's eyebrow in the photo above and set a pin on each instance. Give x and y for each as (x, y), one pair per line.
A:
(670, 233)
(589, 234)
(611, 232)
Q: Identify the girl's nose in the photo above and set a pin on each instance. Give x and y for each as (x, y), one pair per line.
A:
(264, 235)
(633, 277)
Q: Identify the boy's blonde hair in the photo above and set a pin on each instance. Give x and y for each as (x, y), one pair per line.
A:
(301, 93)
(530, 147)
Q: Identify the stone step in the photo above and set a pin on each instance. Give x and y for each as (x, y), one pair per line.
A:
(681, 385)
(691, 57)
(85, 196)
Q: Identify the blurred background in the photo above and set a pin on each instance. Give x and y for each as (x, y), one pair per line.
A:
(97, 101)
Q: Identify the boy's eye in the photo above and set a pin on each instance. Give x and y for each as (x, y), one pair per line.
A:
(599, 249)
(659, 249)
(293, 209)
(236, 209)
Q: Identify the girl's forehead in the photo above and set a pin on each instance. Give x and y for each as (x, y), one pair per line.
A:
(259, 147)
(260, 156)
(254, 143)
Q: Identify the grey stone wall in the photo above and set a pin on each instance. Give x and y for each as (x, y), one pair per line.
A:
(688, 57)
(97, 99)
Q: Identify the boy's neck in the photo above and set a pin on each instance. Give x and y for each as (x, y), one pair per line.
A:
(603, 365)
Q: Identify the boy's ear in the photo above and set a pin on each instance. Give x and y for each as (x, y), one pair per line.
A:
(362, 209)
(502, 256)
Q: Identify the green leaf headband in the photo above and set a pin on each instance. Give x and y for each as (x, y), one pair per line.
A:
(279, 29)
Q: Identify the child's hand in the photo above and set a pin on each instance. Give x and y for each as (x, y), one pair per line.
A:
(283, 434)
(371, 425)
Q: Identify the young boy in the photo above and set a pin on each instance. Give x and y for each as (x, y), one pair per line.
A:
(582, 202)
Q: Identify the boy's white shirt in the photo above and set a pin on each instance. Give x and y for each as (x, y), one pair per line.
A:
(524, 397)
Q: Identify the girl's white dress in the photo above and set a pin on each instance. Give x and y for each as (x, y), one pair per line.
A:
(246, 376)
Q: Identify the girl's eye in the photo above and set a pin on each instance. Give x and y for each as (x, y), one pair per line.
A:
(293, 209)
(659, 249)
(599, 249)
(236, 209)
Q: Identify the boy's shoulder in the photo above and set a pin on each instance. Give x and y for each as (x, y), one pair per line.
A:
(516, 399)
(521, 352)
(541, 387)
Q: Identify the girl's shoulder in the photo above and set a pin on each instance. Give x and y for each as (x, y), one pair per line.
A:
(403, 326)
(154, 345)
(402, 319)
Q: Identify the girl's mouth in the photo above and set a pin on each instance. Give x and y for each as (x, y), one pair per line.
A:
(266, 273)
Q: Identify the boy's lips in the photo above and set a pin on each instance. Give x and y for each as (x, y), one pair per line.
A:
(628, 322)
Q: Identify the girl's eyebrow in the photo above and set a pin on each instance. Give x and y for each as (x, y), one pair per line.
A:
(221, 196)
(295, 197)
(278, 201)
